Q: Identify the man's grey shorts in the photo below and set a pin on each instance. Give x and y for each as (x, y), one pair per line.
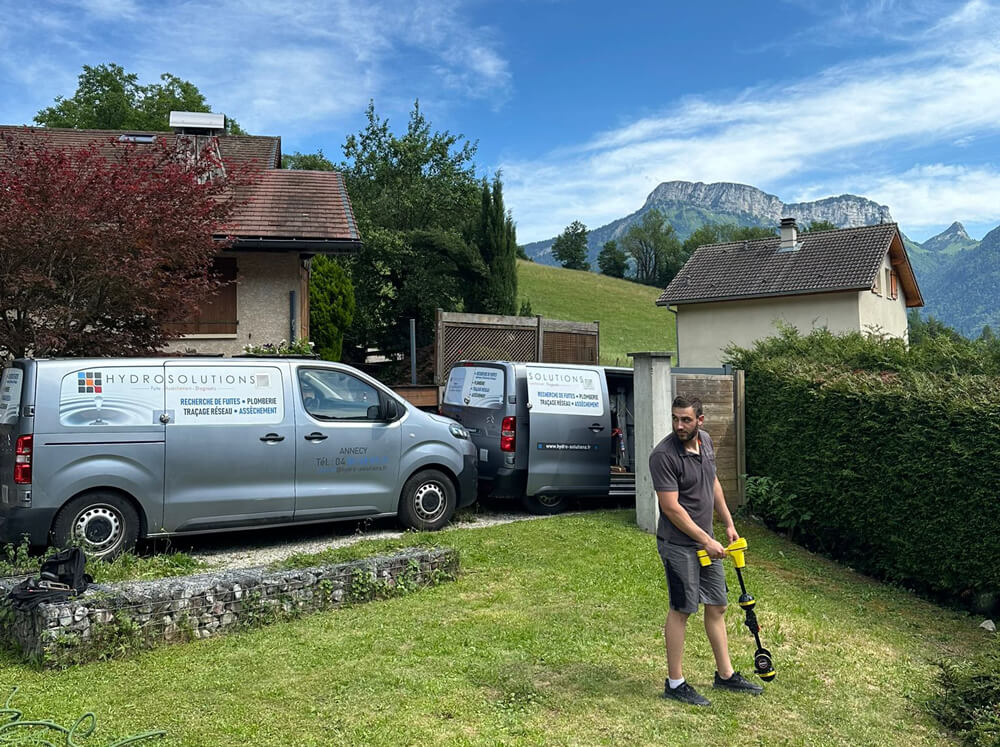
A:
(688, 581)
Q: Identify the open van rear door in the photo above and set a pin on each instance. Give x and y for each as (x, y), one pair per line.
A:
(569, 445)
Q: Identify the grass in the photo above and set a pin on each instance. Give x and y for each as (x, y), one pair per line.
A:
(630, 320)
(551, 635)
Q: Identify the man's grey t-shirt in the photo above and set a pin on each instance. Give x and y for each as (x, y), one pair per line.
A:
(693, 477)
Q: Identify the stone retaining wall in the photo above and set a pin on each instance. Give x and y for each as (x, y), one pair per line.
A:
(111, 620)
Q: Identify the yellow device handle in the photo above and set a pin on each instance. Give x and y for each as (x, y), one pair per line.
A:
(736, 550)
(703, 558)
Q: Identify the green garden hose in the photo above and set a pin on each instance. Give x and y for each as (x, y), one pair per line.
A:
(12, 730)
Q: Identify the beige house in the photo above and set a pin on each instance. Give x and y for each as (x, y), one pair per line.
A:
(289, 217)
(851, 279)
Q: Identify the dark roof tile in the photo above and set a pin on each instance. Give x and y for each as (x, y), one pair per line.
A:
(844, 259)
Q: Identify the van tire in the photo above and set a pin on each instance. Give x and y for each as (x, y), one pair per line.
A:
(103, 525)
(428, 501)
(545, 505)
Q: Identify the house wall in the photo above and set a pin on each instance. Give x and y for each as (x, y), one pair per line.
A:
(264, 280)
(878, 311)
(704, 329)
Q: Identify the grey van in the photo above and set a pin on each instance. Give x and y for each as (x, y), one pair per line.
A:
(104, 451)
(546, 431)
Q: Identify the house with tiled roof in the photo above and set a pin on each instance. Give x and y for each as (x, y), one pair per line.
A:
(287, 218)
(850, 279)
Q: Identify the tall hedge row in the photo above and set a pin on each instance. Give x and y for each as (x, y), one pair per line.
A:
(895, 471)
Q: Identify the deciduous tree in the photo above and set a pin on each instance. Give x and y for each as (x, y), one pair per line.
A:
(415, 197)
(108, 98)
(612, 260)
(570, 247)
(653, 245)
(819, 225)
(101, 246)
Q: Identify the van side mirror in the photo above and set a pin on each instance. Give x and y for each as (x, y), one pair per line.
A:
(391, 410)
(373, 412)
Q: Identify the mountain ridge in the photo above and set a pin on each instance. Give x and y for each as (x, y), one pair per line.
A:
(956, 273)
(689, 205)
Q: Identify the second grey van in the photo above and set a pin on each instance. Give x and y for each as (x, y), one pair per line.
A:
(104, 451)
(546, 431)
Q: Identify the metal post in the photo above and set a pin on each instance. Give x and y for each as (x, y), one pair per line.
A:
(413, 352)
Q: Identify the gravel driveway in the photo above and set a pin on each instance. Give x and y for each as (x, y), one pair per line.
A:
(260, 547)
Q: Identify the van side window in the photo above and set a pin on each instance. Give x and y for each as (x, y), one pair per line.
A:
(335, 395)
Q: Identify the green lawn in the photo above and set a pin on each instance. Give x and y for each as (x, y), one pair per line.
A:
(630, 320)
(551, 635)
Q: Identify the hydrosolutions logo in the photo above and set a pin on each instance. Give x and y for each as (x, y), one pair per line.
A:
(88, 382)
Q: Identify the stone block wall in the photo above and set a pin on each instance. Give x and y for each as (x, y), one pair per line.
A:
(111, 620)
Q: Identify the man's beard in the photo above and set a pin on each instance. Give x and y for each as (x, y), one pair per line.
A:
(685, 438)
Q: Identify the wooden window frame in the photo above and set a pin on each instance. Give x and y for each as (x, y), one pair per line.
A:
(218, 314)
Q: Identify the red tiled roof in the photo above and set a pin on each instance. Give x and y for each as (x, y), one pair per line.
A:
(297, 204)
(825, 261)
(260, 151)
(283, 205)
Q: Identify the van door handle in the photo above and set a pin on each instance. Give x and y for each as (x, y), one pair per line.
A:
(597, 427)
(316, 437)
(272, 438)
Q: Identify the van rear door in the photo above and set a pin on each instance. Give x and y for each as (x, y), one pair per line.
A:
(569, 445)
(476, 396)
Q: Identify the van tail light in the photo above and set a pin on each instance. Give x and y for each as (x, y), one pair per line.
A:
(22, 460)
(507, 433)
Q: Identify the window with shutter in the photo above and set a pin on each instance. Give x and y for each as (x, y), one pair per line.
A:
(218, 315)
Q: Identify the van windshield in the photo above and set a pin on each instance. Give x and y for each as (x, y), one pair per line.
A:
(10, 395)
(475, 386)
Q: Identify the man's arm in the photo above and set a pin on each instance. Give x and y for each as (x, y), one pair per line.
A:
(671, 508)
(722, 510)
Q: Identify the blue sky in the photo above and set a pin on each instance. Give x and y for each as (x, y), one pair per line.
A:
(584, 106)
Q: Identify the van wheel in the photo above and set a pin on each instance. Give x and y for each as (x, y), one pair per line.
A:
(545, 505)
(428, 501)
(103, 525)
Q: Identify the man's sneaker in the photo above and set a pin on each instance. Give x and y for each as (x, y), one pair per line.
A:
(685, 694)
(738, 684)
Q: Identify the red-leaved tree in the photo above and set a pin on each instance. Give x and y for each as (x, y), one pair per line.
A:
(101, 246)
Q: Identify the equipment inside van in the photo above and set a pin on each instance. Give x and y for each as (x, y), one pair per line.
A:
(100, 452)
(545, 432)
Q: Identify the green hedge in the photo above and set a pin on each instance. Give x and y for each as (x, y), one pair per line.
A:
(895, 472)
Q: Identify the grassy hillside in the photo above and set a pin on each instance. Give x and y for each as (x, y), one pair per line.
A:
(630, 322)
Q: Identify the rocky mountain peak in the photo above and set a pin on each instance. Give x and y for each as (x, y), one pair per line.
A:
(740, 199)
(956, 230)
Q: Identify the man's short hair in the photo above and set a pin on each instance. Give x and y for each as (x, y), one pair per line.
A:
(684, 402)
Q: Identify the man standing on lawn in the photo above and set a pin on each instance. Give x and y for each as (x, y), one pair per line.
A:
(683, 470)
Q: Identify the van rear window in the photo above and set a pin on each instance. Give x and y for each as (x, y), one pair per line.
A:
(10, 395)
(475, 386)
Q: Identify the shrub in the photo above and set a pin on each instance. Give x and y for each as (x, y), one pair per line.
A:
(969, 699)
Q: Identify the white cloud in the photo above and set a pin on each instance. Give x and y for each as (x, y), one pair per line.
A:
(937, 194)
(285, 66)
(858, 115)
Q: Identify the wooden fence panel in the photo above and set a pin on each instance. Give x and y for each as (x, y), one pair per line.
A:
(724, 423)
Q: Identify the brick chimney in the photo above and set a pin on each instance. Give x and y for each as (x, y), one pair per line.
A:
(789, 235)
